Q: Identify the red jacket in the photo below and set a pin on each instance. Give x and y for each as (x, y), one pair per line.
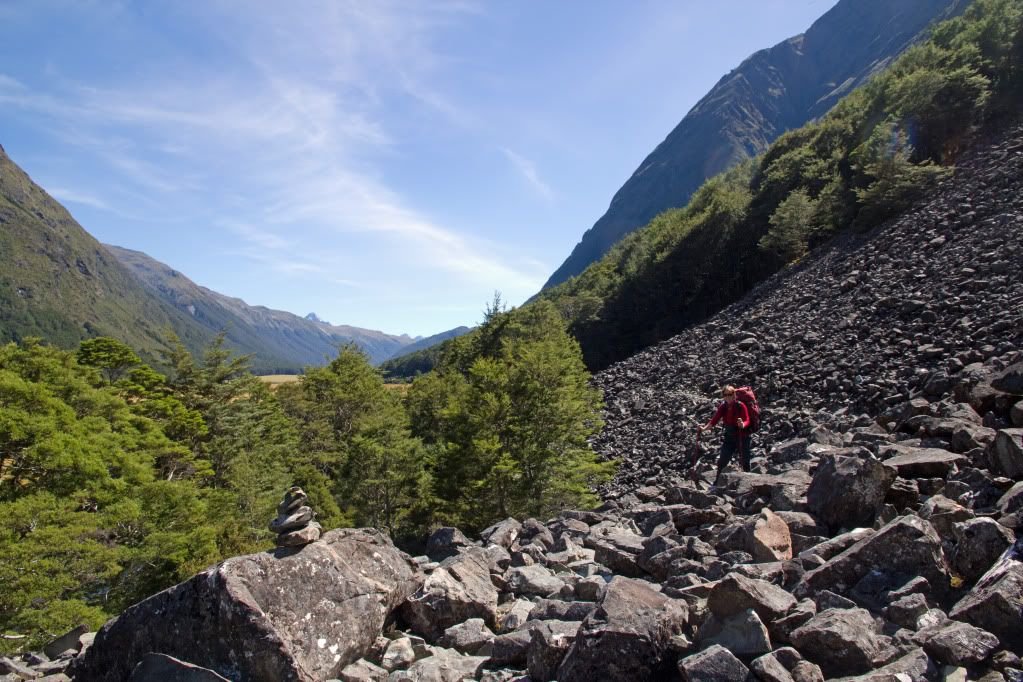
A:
(729, 414)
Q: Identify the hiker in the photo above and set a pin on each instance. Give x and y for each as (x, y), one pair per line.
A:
(736, 418)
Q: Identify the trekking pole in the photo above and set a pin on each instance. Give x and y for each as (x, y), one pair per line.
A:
(695, 456)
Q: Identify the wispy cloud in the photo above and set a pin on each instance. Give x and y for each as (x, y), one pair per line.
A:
(528, 170)
(255, 235)
(72, 196)
(289, 138)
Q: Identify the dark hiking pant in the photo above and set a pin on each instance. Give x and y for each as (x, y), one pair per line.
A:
(733, 441)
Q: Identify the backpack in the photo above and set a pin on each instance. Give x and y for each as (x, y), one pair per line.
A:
(745, 395)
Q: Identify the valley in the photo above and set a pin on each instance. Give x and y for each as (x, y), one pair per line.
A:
(192, 487)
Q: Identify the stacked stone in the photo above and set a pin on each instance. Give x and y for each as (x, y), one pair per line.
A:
(294, 524)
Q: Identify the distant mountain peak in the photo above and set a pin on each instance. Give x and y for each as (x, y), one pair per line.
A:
(313, 317)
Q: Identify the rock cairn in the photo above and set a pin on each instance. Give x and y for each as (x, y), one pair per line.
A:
(295, 525)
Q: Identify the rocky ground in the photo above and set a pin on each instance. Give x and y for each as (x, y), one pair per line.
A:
(875, 539)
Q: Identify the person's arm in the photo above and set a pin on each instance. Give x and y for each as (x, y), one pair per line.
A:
(742, 418)
(715, 418)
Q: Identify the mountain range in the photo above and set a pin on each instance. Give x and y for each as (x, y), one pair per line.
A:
(772, 91)
(57, 282)
(282, 342)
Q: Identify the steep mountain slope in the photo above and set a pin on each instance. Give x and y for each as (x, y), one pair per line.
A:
(281, 341)
(867, 324)
(865, 161)
(774, 90)
(58, 283)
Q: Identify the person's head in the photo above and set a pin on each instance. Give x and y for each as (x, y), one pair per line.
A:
(728, 392)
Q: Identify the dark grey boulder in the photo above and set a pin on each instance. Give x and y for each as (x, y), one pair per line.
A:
(549, 642)
(456, 591)
(834, 546)
(442, 665)
(979, 543)
(1006, 453)
(735, 593)
(786, 665)
(446, 542)
(847, 492)
(164, 668)
(363, 671)
(503, 533)
(1009, 380)
(556, 609)
(619, 550)
(292, 614)
(912, 462)
(956, 643)
(843, 641)
(742, 633)
(908, 546)
(1012, 500)
(68, 641)
(944, 514)
(534, 580)
(468, 637)
(714, 664)
(995, 603)
(510, 649)
(915, 666)
(629, 635)
(782, 628)
(906, 611)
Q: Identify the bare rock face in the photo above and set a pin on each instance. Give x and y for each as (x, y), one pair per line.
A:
(292, 614)
(627, 637)
(847, 492)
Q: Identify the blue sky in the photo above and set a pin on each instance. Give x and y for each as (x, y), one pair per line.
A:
(384, 164)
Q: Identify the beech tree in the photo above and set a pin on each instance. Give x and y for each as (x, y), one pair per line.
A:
(506, 418)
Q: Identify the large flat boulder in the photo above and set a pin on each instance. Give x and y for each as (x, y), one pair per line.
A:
(295, 614)
(627, 637)
(908, 547)
(913, 462)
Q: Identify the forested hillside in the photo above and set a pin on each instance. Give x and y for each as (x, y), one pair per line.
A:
(117, 481)
(866, 161)
(774, 90)
(59, 283)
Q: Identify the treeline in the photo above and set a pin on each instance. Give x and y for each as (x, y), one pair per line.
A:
(117, 481)
(871, 157)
